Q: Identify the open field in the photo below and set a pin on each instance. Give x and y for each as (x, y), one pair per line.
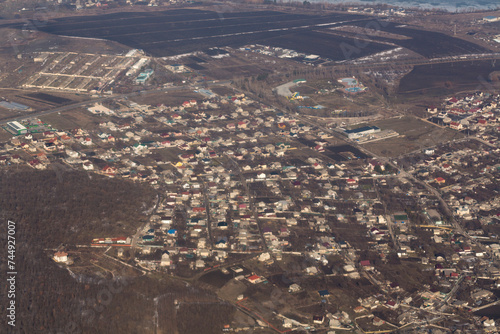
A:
(168, 99)
(428, 43)
(414, 133)
(448, 78)
(69, 120)
(335, 101)
(162, 33)
(326, 45)
(181, 31)
(4, 135)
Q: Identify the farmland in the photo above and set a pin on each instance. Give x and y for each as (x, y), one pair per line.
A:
(442, 79)
(428, 43)
(181, 31)
(173, 32)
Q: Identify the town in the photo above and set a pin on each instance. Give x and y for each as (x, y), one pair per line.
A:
(337, 172)
(247, 191)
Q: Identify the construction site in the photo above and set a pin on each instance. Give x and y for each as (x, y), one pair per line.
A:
(83, 72)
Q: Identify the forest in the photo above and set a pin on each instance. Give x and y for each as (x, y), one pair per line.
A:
(52, 208)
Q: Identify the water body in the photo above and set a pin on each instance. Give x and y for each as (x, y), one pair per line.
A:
(448, 5)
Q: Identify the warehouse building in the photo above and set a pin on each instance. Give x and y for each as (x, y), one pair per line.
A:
(16, 128)
(360, 132)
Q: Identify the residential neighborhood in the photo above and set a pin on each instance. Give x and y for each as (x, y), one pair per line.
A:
(247, 191)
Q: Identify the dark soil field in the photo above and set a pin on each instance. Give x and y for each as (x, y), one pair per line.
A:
(326, 45)
(448, 78)
(181, 31)
(49, 98)
(166, 33)
(428, 43)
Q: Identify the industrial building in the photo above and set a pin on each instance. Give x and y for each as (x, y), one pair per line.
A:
(16, 128)
(490, 19)
(360, 132)
(143, 76)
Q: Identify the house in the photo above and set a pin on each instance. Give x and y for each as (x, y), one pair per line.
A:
(264, 257)
(373, 164)
(61, 257)
(439, 180)
(359, 309)
(351, 183)
(456, 126)
(324, 293)
(109, 170)
(377, 321)
(165, 260)
(88, 166)
(366, 264)
(318, 319)
(254, 279)
(391, 304)
(482, 122)
(87, 141)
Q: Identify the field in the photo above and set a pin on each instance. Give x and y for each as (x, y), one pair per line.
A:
(36, 101)
(182, 31)
(175, 98)
(69, 120)
(427, 43)
(415, 134)
(76, 72)
(4, 135)
(442, 79)
(336, 102)
(326, 45)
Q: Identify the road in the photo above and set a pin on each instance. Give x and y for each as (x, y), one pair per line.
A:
(395, 241)
(416, 62)
(250, 198)
(107, 98)
(140, 230)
